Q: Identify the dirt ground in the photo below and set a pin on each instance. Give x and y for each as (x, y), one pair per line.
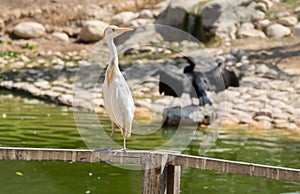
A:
(285, 53)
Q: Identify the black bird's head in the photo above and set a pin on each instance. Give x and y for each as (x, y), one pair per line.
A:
(190, 68)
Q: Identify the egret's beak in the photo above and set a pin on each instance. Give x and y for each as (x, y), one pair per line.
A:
(122, 30)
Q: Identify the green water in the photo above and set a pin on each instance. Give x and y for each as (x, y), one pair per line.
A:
(26, 122)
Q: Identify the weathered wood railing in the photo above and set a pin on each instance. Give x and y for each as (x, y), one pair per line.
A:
(160, 169)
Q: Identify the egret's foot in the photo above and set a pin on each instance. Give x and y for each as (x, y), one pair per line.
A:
(119, 151)
(108, 149)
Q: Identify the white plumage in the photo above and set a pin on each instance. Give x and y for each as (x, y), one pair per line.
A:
(118, 100)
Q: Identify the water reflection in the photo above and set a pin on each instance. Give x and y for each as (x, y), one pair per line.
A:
(26, 122)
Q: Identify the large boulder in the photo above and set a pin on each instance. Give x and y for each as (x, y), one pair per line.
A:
(92, 31)
(278, 31)
(29, 30)
(223, 17)
(175, 14)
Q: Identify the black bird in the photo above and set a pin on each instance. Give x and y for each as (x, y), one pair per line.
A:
(217, 79)
(196, 83)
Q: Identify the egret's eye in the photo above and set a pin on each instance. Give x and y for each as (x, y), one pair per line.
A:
(113, 29)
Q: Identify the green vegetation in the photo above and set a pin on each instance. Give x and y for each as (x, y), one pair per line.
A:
(293, 3)
(9, 53)
(29, 46)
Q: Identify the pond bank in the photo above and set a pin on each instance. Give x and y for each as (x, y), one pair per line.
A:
(267, 97)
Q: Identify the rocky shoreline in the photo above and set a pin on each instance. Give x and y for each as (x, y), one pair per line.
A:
(267, 98)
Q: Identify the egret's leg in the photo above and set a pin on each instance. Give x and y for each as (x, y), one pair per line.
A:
(124, 141)
(124, 144)
(109, 148)
(112, 134)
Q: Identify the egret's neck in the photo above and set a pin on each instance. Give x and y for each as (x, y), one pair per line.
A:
(113, 52)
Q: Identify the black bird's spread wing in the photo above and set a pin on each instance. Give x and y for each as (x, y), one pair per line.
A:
(173, 84)
(196, 83)
(214, 79)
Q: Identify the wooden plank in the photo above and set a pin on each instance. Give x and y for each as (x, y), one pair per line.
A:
(144, 156)
(173, 179)
(241, 168)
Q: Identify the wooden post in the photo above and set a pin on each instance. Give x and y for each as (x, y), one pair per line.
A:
(173, 179)
(158, 176)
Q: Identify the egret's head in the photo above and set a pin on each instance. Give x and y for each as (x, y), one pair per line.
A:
(114, 31)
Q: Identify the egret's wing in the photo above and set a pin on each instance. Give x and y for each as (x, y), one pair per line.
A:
(122, 105)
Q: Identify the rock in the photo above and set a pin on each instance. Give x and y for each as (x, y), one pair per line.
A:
(281, 116)
(258, 15)
(262, 24)
(262, 124)
(297, 10)
(123, 18)
(297, 30)
(42, 84)
(60, 36)
(283, 14)
(141, 22)
(239, 114)
(189, 115)
(265, 124)
(230, 122)
(7, 84)
(71, 31)
(225, 105)
(253, 103)
(223, 17)
(247, 30)
(278, 103)
(142, 113)
(143, 102)
(286, 125)
(288, 21)
(262, 118)
(246, 109)
(157, 108)
(261, 6)
(261, 69)
(17, 65)
(161, 7)
(164, 101)
(246, 96)
(176, 12)
(146, 13)
(278, 31)
(294, 111)
(29, 30)
(297, 121)
(268, 3)
(67, 99)
(92, 31)
(263, 112)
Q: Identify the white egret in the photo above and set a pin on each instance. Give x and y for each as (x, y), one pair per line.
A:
(117, 97)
